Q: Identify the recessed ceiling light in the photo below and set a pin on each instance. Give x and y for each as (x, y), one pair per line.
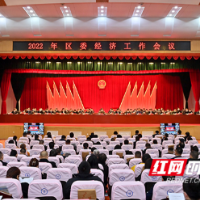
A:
(136, 14)
(65, 6)
(173, 11)
(137, 11)
(28, 7)
(34, 14)
(170, 14)
(139, 7)
(101, 10)
(67, 14)
(1, 15)
(101, 14)
(102, 6)
(176, 7)
(31, 11)
(66, 10)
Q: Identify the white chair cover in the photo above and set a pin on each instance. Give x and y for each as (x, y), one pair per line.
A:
(70, 151)
(138, 169)
(112, 156)
(81, 140)
(153, 151)
(141, 142)
(8, 159)
(127, 147)
(128, 190)
(97, 146)
(162, 189)
(27, 160)
(54, 159)
(73, 160)
(168, 156)
(48, 187)
(60, 158)
(38, 146)
(134, 161)
(97, 172)
(10, 146)
(33, 172)
(16, 164)
(97, 185)
(3, 171)
(105, 151)
(127, 157)
(67, 147)
(61, 174)
(170, 144)
(89, 143)
(34, 142)
(119, 151)
(110, 147)
(121, 140)
(157, 146)
(72, 167)
(5, 151)
(114, 143)
(85, 151)
(95, 140)
(1, 146)
(117, 166)
(134, 150)
(35, 152)
(102, 137)
(115, 161)
(60, 143)
(44, 167)
(140, 146)
(145, 178)
(13, 186)
(186, 151)
(192, 142)
(158, 140)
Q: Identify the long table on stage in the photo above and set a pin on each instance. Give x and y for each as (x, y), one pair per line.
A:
(101, 119)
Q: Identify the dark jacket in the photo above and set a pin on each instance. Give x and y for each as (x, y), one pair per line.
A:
(179, 157)
(52, 163)
(77, 177)
(3, 163)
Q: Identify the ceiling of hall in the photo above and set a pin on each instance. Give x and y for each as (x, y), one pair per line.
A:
(85, 22)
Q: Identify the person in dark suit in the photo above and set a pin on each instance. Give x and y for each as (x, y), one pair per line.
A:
(1, 159)
(137, 138)
(157, 133)
(63, 138)
(44, 158)
(193, 156)
(83, 175)
(178, 152)
(148, 146)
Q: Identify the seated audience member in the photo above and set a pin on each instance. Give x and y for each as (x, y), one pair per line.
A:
(42, 143)
(117, 147)
(67, 142)
(194, 148)
(37, 137)
(193, 156)
(1, 159)
(83, 175)
(51, 145)
(88, 139)
(63, 138)
(178, 152)
(140, 135)
(102, 161)
(14, 173)
(71, 135)
(155, 142)
(34, 162)
(15, 111)
(191, 189)
(119, 136)
(188, 139)
(11, 142)
(136, 132)
(187, 135)
(165, 137)
(15, 139)
(157, 133)
(181, 143)
(23, 146)
(179, 132)
(44, 158)
(148, 146)
(49, 135)
(137, 155)
(92, 135)
(93, 161)
(13, 153)
(170, 149)
(53, 153)
(23, 152)
(92, 150)
(126, 142)
(137, 138)
(85, 146)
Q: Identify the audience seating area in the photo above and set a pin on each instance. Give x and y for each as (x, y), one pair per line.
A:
(122, 180)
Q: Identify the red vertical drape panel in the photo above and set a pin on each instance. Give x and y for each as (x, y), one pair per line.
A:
(169, 94)
(195, 82)
(5, 84)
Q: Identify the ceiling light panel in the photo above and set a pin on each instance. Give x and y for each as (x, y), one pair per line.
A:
(174, 11)
(1, 15)
(66, 11)
(102, 11)
(138, 11)
(29, 10)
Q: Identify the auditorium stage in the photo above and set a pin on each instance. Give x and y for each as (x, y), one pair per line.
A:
(13, 124)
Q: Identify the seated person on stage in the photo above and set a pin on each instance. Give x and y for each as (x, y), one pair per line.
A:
(118, 111)
(197, 113)
(83, 175)
(56, 111)
(90, 111)
(101, 111)
(191, 189)
(81, 111)
(33, 111)
(44, 158)
(1, 159)
(111, 111)
(28, 111)
(51, 111)
(178, 152)
(15, 112)
(188, 112)
(66, 111)
(40, 111)
(127, 112)
(75, 111)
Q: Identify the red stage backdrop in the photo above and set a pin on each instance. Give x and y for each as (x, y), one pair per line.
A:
(169, 91)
